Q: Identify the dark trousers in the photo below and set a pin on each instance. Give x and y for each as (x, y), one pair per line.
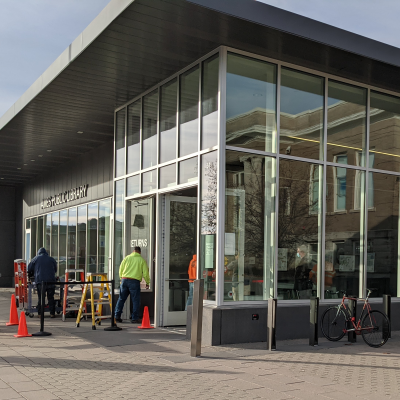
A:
(129, 287)
(50, 290)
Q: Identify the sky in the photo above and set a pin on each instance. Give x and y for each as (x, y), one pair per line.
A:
(33, 33)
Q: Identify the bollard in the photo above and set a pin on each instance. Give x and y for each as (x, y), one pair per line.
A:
(113, 326)
(42, 332)
(271, 324)
(352, 338)
(197, 318)
(314, 306)
(387, 309)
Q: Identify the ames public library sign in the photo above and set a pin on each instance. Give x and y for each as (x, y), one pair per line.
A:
(64, 197)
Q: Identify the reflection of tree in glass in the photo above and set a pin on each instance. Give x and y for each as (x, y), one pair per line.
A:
(183, 237)
(296, 226)
(209, 200)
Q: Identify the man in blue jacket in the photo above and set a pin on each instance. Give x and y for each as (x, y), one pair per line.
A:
(44, 268)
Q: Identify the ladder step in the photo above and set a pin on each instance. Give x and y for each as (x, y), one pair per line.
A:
(98, 302)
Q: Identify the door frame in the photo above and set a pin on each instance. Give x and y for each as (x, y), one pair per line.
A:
(171, 318)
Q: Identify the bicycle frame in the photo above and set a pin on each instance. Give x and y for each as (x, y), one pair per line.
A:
(356, 326)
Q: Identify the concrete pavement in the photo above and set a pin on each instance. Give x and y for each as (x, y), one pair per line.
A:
(78, 363)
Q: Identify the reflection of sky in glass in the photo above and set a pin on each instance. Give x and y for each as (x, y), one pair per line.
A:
(167, 145)
(168, 176)
(188, 138)
(133, 158)
(150, 152)
(245, 94)
(210, 130)
(133, 185)
(295, 101)
(188, 170)
(120, 162)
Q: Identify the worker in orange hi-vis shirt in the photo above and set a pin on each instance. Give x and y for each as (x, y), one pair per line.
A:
(192, 271)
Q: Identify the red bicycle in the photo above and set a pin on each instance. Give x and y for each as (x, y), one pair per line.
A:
(374, 326)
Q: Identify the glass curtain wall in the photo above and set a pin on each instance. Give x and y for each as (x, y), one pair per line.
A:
(62, 264)
(75, 232)
(324, 171)
(119, 199)
(133, 137)
(33, 237)
(120, 144)
(92, 237)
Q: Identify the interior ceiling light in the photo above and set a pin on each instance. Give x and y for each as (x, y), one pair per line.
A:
(1, 178)
(18, 168)
(80, 132)
(25, 164)
(32, 160)
(49, 150)
(40, 155)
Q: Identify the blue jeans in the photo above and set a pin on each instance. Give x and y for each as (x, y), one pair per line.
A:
(132, 287)
(190, 297)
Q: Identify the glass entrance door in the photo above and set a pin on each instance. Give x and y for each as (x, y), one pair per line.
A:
(180, 245)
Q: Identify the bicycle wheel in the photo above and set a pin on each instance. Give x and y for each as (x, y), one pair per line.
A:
(375, 328)
(333, 323)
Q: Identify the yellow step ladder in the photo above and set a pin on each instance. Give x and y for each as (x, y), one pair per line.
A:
(96, 305)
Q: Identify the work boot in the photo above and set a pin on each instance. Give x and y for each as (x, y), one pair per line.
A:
(52, 316)
(136, 321)
(118, 319)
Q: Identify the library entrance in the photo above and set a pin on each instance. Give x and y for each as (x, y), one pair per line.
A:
(179, 247)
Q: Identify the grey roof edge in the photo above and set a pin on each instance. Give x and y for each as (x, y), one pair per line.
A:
(111, 11)
(295, 24)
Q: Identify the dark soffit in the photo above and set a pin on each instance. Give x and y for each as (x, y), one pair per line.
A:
(149, 41)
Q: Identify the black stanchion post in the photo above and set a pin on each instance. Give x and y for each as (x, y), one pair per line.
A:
(314, 305)
(113, 326)
(387, 308)
(352, 338)
(42, 332)
(271, 324)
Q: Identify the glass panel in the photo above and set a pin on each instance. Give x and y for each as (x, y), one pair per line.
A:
(342, 234)
(81, 239)
(54, 236)
(250, 104)
(382, 247)
(302, 114)
(92, 238)
(28, 223)
(384, 131)
(120, 144)
(28, 246)
(34, 249)
(346, 121)
(118, 228)
(169, 93)
(208, 196)
(299, 229)
(133, 138)
(209, 103)
(63, 245)
(189, 112)
(182, 248)
(40, 229)
(133, 185)
(188, 170)
(150, 105)
(168, 176)
(249, 227)
(104, 235)
(140, 219)
(48, 232)
(71, 245)
(149, 180)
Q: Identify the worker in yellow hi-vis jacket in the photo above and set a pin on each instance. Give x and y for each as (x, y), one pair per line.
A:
(131, 272)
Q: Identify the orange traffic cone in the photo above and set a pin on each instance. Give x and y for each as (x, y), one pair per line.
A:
(13, 312)
(146, 320)
(22, 329)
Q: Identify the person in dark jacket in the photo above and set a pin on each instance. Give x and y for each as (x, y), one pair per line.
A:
(44, 268)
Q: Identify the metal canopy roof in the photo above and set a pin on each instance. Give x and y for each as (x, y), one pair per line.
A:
(134, 44)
